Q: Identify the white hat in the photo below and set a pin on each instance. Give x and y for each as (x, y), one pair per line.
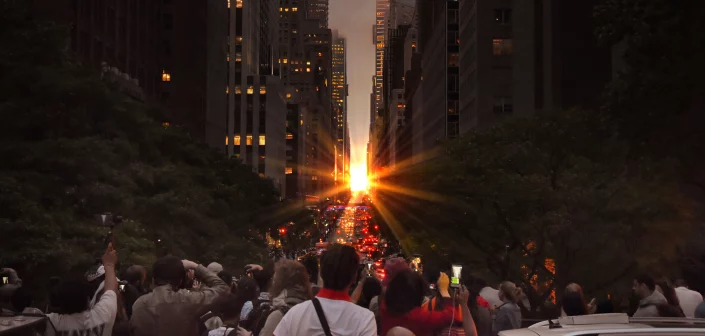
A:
(215, 267)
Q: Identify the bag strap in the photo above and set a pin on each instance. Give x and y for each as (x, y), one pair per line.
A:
(321, 316)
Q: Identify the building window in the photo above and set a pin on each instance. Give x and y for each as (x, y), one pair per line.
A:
(250, 90)
(262, 140)
(238, 90)
(289, 171)
(262, 90)
(314, 178)
(453, 107)
(452, 82)
(503, 105)
(237, 140)
(166, 76)
(294, 9)
(501, 47)
(453, 16)
(249, 140)
(503, 16)
(166, 124)
(453, 130)
(288, 95)
(238, 3)
(453, 59)
(289, 136)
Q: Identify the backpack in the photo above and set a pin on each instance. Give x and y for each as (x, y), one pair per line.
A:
(259, 320)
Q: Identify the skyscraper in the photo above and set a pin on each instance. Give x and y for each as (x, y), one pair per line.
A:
(380, 31)
(317, 10)
(256, 110)
(340, 99)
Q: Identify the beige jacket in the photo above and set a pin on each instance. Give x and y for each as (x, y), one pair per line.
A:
(165, 312)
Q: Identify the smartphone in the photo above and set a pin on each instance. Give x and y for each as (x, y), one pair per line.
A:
(455, 279)
(5, 280)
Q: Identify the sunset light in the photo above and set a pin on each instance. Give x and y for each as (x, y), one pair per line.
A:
(358, 178)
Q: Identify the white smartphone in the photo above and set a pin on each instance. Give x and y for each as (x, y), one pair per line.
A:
(455, 279)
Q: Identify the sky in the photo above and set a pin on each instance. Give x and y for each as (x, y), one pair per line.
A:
(354, 20)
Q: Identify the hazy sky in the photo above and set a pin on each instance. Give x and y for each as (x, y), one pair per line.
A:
(354, 20)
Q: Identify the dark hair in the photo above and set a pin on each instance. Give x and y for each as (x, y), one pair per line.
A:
(231, 306)
(73, 297)
(574, 303)
(134, 274)
(226, 277)
(21, 298)
(169, 270)
(247, 289)
(646, 280)
(311, 264)
(668, 292)
(404, 293)
(339, 266)
(263, 278)
(370, 288)
(605, 307)
(291, 276)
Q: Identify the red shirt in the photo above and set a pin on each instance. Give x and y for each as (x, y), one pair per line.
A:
(420, 321)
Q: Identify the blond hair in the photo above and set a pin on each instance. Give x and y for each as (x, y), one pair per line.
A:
(291, 276)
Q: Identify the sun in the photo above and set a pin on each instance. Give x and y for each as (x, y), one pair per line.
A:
(358, 178)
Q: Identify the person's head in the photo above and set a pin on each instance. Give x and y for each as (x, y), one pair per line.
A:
(95, 276)
(404, 293)
(393, 267)
(291, 276)
(247, 289)
(169, 270)
(574, 303)
(74, 297)
(136, 275)
(681, 283)
(215, 267)
(509, 292)
(605, 307)
(311, 264)
(643, 286)
(230, 308)
(664, 287)
(339, 266)
(371, 287)
(263, 278)
(21, 298)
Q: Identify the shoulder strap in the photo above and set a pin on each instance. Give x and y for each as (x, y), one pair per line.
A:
(321, 316)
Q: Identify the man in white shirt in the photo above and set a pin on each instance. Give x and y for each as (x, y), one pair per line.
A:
(689, 299)
(78, 318)
(339, 267)
(490, 294)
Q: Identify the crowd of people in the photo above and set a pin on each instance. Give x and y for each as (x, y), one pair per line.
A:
(332, 295)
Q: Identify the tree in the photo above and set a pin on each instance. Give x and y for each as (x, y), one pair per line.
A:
(72, 147)
(543, 201)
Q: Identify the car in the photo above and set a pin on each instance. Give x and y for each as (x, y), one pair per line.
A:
(611, 324)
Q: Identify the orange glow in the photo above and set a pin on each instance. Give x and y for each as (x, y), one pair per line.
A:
(358, 178)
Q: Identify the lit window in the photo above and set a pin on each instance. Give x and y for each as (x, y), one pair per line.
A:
(288, 95)
(238, 39)
(314, 178)
(308, 63)
(289, 170)
(262, 140)
(501, 47)
(166, 124)
(237, 140)
(227, 90)
(238, 3)
(249, 140)
(227, 58)
(289, 136)
(286, 9)
(262, 90)
(285, 61)
(250, 89)
(238, 90)
(453, 59)
(308, 69)
(281, 9)
(166, 77)
(294, 9)
(320, 54)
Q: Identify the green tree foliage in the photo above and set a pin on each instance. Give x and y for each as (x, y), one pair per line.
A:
(543, 201)
(71, 148)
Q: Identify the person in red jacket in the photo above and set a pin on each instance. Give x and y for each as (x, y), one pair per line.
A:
(401, 305)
